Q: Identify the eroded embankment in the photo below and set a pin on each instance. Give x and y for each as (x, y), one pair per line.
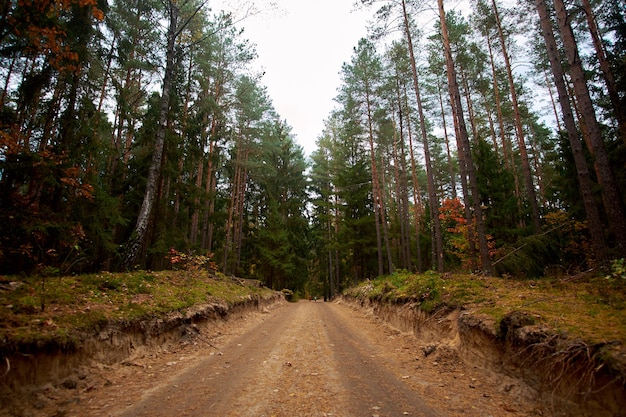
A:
(569, 377)
(23, 374)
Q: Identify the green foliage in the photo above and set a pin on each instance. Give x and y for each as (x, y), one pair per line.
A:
(618, 270)
(563, 247)
(191, 262)
(87, 303)
(425, 289)
(591, 307)
(279, 246)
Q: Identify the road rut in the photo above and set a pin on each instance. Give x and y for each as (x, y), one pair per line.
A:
(301, 359)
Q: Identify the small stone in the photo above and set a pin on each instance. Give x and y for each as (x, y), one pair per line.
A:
(429, 349)
(39, 405)
(69, 383)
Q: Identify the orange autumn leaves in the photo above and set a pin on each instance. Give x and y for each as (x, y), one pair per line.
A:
(454, 222)
(40, 23)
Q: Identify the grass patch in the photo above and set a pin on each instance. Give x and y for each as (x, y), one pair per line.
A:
(37, 312)
(593, 308)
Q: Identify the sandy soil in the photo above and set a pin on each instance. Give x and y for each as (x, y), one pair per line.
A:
(302, 359)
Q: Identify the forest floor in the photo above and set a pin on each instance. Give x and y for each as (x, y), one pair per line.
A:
(300, 359)
(162, 344)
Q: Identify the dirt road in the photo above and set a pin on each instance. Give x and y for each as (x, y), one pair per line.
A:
(303, 359)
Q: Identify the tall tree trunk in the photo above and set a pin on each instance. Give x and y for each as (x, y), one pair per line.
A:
(465, 189)
(611, 195)
(399, 200)
(107, 73)
(447, 140)
(138, 238)
(582, 170)
(464, 146)
(375, 184)
(432, 192)
(468, 100)
(492, 125)
(557, 119)
(607, 72)
(385, 223)
(404, 195)
(234, 204)
(528, 176)
(210, 187)
(241, 211)
(417, 199)
(195, 215)
(498, 103)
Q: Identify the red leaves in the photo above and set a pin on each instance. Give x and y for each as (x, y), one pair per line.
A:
(72, 180)
(452, 215)
(185, 262)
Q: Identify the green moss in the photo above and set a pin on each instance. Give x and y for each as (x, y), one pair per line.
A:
(85, 304)
(593, 308)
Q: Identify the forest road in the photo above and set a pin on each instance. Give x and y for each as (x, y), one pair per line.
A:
(300, 359)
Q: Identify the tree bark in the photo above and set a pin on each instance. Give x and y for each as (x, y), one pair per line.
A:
(611, 195)
(607, 72)
(582, 170)
(417, 199)
(137, 240)
(432, 192)
(496, 92)
(375, 183)
(464, 146)
(399, 192)
(444, 124)
(528, 177)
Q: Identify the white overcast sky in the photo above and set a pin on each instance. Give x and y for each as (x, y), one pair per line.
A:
(301, 46)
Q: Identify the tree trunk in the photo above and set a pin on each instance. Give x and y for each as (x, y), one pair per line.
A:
(468, 100)
(496, 92)
(464, 146)
(432, 192)
(375, 186)
(241, 211)
(107, 72)
(138, 238)
(210, 187)
(404, 195)
(528, 177)
(385, 225)
(399, 198)
(447, 139)
(233, 205)
(582, 170)
(611, 195)
(557, 119)
(417, 199)
(607, 72)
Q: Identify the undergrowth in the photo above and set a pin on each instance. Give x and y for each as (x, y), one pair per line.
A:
(33, 316)
(592, 308)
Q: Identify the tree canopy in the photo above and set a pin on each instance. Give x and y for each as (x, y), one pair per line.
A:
(487, 138)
